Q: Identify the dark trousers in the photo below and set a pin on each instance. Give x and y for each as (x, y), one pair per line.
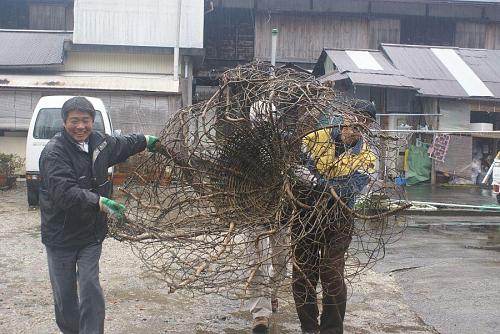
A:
(319, 254)
(82, 311)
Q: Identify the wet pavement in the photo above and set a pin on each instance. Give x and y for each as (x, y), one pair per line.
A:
(449, 275)
(449, 267)
(442, 276)
(453, 194)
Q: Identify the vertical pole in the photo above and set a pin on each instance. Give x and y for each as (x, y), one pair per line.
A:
(176, 63)
(177, 41)
(274, 39)
(433, 172)
(437, 110)
(188, 75)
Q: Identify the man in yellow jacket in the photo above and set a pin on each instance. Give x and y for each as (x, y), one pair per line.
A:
(337, 158)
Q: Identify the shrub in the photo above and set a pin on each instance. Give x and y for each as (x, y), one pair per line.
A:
(9, 163)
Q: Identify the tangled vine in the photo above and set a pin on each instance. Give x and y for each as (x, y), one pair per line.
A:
(226, 197)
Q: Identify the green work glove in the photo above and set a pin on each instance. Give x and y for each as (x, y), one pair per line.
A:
(151, 142)
(112, 209)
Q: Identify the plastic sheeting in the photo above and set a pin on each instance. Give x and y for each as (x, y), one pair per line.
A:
(419, 165)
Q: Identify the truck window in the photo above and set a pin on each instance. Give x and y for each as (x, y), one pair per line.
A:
(49, 122)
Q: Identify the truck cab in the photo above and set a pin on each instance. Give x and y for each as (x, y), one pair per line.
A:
(45, 123)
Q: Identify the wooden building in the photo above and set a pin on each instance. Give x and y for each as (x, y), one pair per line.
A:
(141, 68)
(36, 14)
(238, 31)
(422, 89)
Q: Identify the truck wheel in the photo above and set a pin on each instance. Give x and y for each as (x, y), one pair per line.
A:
(32, 195)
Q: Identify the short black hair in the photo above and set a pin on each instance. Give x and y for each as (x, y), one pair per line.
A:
(364, 107)
(77, 103)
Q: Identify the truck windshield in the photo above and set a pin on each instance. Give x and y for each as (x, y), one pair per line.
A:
(49, 122)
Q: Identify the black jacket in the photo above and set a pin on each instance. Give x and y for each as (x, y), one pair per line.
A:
(73, 180)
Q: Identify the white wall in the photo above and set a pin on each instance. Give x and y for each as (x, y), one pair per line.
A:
(139, 23)
(119, 62)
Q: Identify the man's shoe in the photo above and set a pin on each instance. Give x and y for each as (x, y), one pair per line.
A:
(260, 325)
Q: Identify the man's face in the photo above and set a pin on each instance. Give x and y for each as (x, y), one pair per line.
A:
(79, 125)
(350, 133)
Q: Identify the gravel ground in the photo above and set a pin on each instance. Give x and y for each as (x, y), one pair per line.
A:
(137, 303)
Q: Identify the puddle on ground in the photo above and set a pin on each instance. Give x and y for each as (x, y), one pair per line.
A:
(481, 236)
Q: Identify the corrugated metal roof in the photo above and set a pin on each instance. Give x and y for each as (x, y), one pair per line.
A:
(345, 63)
(364, 60)
(432, 77)
(359, 74)
(439, 88)
(485, 63)
(32, 48)
(472, 73)
(98, 81)
(369, 79)
(336, 76)
(462, 72)
(416, 62)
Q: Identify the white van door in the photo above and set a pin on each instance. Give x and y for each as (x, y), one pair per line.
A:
(45, 123)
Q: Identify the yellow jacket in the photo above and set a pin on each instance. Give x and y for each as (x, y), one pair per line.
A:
(320, 149)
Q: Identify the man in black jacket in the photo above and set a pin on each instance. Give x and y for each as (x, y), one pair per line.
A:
(73, 205)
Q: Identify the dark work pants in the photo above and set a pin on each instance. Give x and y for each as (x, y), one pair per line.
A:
(321, 255)
(82, 311)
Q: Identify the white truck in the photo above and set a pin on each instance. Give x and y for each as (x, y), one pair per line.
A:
(45, 123)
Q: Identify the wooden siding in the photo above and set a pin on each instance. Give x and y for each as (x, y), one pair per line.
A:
(70, 19)
(302, 37)
(468, 11)
(492, 40)
(493, 13)
(285, 5)
(470, 35)
(36, 15)
(383, 31)
(477, 35)
(14, 14)
(341, 6)
(248, 4)
(47, 17)
(423, 31)
(136, 113)
(119, 62)
(398, 8)
(485, 106)
(132, 113)
(229, 34)
(16, 108)
(399, 101)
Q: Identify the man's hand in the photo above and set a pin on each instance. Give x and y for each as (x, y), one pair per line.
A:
(112, 209)
(151, 142)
